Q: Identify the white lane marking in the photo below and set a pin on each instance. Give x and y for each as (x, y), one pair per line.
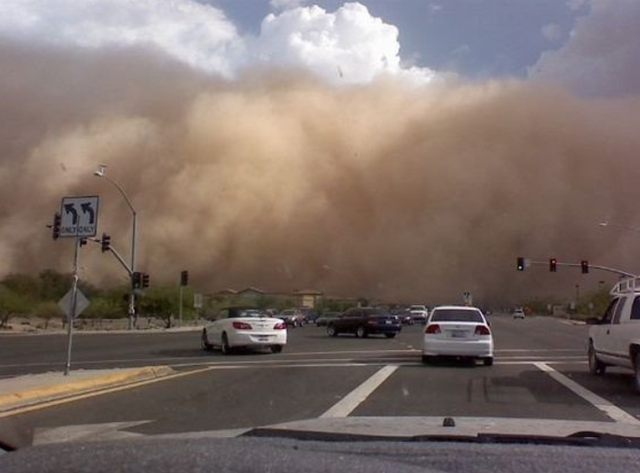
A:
(598, 402)
(356, 397)
(539, 350)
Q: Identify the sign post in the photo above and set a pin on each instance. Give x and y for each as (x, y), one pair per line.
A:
(79, 219)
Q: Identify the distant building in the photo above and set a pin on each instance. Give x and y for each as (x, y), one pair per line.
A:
(226, 292)
(251, 292)
(308, 298)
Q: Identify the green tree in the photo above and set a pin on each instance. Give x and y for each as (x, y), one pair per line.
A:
(48, 310)
(12, 304)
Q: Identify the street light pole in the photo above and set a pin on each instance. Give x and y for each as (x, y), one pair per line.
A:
(101, 172)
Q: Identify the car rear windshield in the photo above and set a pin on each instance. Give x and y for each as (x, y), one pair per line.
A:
(456, 315)
(375, 312)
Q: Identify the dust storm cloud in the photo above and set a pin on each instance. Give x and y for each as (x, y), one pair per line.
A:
(281, 181)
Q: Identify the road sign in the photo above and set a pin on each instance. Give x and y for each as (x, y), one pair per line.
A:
(197, 301)
(67, 301)
(79, 216)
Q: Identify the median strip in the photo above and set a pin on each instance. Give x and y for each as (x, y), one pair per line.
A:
(29, 390)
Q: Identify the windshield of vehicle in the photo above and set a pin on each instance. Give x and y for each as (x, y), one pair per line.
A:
(247, 313)
(219, 215)
(375, 312)
(456, 315)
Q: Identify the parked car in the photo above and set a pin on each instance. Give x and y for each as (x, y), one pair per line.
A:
(243, 327)
(365, 321)
(458, 331)
(292, 317)
(518, 313)
(614, 339)
(405, 316)
(310, 315)
(419, 313)
(327, 317)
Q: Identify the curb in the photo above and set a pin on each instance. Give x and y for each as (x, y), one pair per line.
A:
(151, 331)
(32, 396)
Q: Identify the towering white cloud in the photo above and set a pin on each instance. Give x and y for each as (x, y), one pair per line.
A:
(348, 45)
(196, 34)
(602, 56)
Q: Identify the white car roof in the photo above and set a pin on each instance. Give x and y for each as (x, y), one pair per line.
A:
(457, 307)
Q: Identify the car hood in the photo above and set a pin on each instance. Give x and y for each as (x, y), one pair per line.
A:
(412, 427)
(377, 428)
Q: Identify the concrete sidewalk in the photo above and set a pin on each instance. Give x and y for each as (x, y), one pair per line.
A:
(29, 390)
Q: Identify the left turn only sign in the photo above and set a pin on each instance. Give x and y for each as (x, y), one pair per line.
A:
(79, 216)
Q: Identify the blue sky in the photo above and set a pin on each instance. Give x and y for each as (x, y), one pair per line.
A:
(477, 38)
(589, 46)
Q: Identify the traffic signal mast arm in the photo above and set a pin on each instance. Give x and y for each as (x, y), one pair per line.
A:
(579, 265)
(117, 255)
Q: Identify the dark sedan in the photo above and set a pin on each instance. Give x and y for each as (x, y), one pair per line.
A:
(365, 321)
(327, 317)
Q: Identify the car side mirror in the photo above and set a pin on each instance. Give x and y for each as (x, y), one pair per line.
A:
(593, 321)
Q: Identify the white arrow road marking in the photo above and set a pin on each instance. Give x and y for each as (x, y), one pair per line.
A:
(71, 433)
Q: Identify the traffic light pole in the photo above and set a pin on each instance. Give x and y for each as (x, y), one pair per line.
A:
(591, 266)
(180, 308)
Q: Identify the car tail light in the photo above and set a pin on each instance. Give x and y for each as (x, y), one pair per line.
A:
(432, 328)
(242, 326)
(482, 330)
(280, 326)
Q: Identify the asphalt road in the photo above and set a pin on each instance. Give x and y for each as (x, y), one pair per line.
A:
(540, 372)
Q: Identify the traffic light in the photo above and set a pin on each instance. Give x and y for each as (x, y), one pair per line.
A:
(553, 265)
(145, 280)
(106, 242)
(184, 278)
(136, 280)
(585, 266)
(55, 228)
(520, 263)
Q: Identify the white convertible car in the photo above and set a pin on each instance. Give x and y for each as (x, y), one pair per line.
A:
(238, 327)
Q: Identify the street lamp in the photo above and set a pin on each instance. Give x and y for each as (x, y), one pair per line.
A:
(101, 172)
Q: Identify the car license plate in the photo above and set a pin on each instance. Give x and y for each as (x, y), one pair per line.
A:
(263, 338)
(388, 322)
(458, 333)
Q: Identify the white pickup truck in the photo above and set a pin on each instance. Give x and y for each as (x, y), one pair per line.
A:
(614, 340)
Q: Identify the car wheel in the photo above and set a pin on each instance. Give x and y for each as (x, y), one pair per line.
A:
(331, 331)
(361, 332)
(596, 367)
(224, 345)
(426, 359)
(204, 341)
(389, 335)
(488, 361)
(276, 348)
(636, 372)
